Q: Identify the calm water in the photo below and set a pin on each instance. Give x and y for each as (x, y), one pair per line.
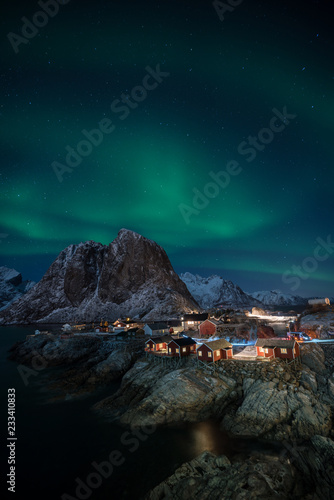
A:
(58, 442)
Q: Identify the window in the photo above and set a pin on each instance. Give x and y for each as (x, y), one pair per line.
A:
(209, 354)
(266, 351)
(191, 322)
(184, 349)
(148, 345)
(261, 349)
(177, 351)
(284, 351)
(217, 352)
(200, 353)
(169, 350)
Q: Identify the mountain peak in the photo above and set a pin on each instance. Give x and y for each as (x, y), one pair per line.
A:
(131, 276)
(215, 290)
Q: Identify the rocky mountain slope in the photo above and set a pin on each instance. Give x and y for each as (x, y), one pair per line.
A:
(12, 286)
(213, 291)
(277, 298)
(131, 276)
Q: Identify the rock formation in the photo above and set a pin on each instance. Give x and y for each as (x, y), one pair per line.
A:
(213, 291)
(12, 286)
(132, 276)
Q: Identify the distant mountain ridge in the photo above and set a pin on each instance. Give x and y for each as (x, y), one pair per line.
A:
(12, 286)
(131, 276)
(278, 298)
(213, 291)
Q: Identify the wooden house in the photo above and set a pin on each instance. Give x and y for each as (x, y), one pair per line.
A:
(192, 321)
(156, 329)
(215, 350)
(209, 327)
(119, 324)
(181, 347)
(157, 344)
(278, 348)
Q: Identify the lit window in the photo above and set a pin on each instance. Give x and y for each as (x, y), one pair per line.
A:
(283, 351)
(184, 349)
(200, 353)
(210, 354)
(261, 349)
(217, 352)
(190, 322)
(147, 345)
(177, 351)
(266, 351)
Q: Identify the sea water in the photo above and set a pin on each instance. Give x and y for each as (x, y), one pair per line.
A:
(58, 442)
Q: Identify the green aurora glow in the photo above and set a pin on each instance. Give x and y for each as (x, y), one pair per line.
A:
(225, 79)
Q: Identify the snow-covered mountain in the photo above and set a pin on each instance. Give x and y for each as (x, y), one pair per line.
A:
(131, 276)
(277, 298)
(12, 287)
(213, 291)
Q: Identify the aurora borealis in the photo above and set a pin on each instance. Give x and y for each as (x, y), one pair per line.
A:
(225, 78)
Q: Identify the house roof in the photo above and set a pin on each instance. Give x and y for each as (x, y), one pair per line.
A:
(174, 322)
(218, 344)
(195, 317)
(160, 340)
(214, 321)
(274, 342)
(157, 326)
(184, 341)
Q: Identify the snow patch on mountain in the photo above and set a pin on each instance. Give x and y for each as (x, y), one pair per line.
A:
(12, 287)
(213, 291)
(278, 298)
(130, 277)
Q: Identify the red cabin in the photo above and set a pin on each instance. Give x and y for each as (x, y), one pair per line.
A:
(208, 327)
(215, 350)
(158, 344)
(277, 348)
(181, 347)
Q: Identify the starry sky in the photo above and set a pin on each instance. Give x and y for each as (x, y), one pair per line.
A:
(204, 126)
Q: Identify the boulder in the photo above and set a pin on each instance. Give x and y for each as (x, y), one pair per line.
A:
(209, 477)
(313, 357)
(152, 395)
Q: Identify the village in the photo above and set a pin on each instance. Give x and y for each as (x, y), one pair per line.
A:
(207, 338)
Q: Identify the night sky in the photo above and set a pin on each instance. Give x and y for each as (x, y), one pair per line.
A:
(183, 92)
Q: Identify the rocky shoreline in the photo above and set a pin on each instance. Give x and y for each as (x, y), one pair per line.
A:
(86, 364)
(271, 401)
